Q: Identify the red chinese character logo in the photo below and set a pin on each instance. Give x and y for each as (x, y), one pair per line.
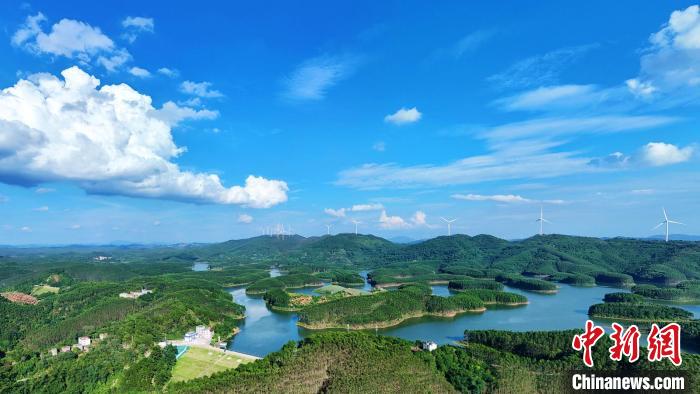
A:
(665, 343)
(586, 341)
(626, 343)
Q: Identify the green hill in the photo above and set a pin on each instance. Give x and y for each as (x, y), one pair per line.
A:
(330, 363)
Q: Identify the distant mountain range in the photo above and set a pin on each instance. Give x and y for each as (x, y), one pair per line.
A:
(646, 260)
(676, 237)
(404, 240)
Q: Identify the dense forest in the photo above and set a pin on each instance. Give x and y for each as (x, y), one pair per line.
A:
(633, 307)
(123, 331)
(486, 361)
(387, 308)
(76, 295)
(330, 362)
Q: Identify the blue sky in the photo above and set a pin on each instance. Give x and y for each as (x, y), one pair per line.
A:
(217, 121)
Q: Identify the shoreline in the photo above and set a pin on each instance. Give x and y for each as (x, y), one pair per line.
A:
(639, 320)
(554, 291)
(254, 292)
(399, 284)
(507, 303)
(390, 323)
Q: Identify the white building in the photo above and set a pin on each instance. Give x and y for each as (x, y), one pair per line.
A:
(84, 341)
(54, 351)
(190, 336)
(429, 345)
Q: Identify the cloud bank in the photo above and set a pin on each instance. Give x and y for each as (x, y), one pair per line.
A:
(109, 140)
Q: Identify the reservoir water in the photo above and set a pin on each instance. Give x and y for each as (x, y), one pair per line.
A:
(200, 266)
(264, 331)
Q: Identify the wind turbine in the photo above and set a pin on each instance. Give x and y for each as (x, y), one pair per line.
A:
(356, 223)
(666, 222)
(449, 224)
(328, 226)
(542, 221)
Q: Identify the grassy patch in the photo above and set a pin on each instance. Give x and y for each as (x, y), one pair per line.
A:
(44, 289)
(198, 362)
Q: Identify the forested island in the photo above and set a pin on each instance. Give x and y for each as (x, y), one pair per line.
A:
(389, 308)
(633, 307)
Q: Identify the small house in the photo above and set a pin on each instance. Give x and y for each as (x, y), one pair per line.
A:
(429, 346)
(84, 341)
(65, 349)
(190, 336)
(103, 336)
(54, 351)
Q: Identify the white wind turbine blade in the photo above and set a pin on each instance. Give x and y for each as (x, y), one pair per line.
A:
(675, 222)
(546, 221)
(665, 216)
(658, 225)
(444, 220)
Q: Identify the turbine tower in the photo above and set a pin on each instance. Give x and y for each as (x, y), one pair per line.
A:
(356, 223)
(542, 221)
(328, 226)
(449, 225)
(666, 222)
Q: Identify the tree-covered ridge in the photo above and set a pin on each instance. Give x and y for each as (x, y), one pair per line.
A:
(292, 281)
(177, 304)
(488, 361)
(541, 361)
(636, 311)
(569, 259)
(470, 283)
(342, 277)
(333, 363)
(524, 283)
(684, 292)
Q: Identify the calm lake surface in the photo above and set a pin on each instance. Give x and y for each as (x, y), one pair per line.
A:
(264, 331)
(200, 266)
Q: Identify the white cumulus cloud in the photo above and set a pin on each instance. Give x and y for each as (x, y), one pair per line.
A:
(397, 222)
(245, 218)
(339, 213)
(168, 72)
(419, 218)
(139, 72)
(661, 154)
(107, 139)
(404, 116)
(200, 89)
(71, 39)
(391, 222)
(134, 25)
(670, 65)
